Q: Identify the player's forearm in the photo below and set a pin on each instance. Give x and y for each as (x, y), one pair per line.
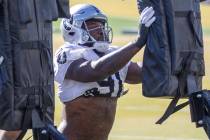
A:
(90, 71)
(113, 62)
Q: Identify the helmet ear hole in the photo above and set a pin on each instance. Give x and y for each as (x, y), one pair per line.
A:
(85, 36)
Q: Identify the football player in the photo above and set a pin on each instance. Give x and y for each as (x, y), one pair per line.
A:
(90, 72)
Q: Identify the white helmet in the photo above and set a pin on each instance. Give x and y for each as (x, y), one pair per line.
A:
(75, 30)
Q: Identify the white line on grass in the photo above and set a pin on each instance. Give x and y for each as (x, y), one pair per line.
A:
(147, 108)
(130, 137)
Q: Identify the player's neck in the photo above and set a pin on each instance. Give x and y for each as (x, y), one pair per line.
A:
(100, 54)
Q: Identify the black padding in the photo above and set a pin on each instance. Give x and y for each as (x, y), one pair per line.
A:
(174, 48)
(26, 72)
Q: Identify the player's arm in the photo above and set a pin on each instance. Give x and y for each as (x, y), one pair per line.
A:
(89, 71)
(134, 73)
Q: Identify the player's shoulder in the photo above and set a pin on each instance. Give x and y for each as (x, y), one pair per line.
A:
(70, 52)
(66, 47)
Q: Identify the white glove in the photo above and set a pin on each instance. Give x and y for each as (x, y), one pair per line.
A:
(1, 59)
(146, 19)
(147, 16)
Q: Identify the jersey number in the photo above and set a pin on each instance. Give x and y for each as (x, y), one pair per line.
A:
(110, 84)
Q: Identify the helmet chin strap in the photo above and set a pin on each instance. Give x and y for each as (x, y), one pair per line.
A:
(101, 46)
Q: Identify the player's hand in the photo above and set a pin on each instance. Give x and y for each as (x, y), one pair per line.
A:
(146, 19)
(1, 59)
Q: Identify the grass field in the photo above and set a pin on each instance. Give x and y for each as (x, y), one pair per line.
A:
(136, 115)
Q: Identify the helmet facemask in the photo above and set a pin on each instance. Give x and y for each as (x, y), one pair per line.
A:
(99, 34)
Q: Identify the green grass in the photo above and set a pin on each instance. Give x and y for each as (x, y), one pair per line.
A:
(206, 31)
(119, 24)
(136, 118)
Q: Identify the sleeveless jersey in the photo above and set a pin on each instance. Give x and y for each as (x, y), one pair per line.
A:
(68, 90)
